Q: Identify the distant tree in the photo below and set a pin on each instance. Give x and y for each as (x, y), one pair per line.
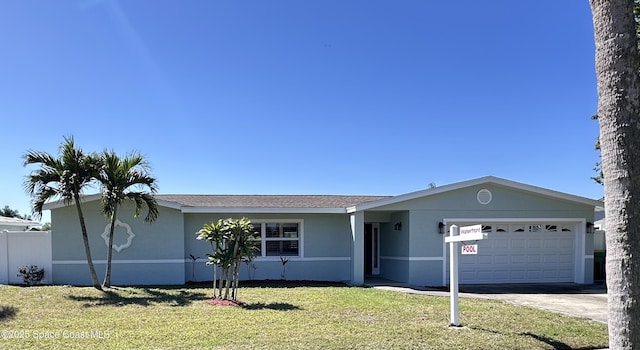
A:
(617, 70)
(125, 179)
(64, 177)
(8, 212)
(13, 213)
(599, 178)
(46, 227)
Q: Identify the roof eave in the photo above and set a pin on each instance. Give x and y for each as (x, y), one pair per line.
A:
(262, 210)
(94, 197)
(20, 224)
(473, 182)
(547, 192)
(61, 204)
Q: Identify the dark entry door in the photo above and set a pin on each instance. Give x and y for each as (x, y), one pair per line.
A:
(371, 249)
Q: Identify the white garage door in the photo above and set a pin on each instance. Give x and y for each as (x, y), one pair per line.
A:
(521, 253)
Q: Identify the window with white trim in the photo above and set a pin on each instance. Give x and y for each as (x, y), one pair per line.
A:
(278, 238)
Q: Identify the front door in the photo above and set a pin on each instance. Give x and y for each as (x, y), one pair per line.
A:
(371, 249)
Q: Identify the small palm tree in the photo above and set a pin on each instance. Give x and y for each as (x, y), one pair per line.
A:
(63, 178)
(231, 241)
(119, 179)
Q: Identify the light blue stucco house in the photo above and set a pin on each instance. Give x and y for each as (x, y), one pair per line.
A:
(535, 235)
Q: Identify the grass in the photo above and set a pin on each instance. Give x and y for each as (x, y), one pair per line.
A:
(282, 317)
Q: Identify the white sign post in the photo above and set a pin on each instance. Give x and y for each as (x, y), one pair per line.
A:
(467, 233)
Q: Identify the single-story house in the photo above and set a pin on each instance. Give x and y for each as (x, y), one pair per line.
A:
(535, 235)
(17, 224)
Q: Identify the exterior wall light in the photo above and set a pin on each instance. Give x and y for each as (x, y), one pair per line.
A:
(590, 227)
(397, 226)
(441, 227)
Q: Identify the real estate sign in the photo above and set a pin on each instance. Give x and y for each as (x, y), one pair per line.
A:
(459, 234)
(467, 233)
(472, 233)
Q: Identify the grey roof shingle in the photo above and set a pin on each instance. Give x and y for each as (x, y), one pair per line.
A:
(267, 201)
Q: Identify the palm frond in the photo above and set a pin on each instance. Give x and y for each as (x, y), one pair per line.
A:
(65, 176)
(45, 159)
(142, 199)
(127, 178)
(45, 195)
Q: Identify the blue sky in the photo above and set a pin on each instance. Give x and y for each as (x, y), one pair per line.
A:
(305, 97)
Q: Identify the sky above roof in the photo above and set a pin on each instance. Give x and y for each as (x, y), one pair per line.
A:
(300, 97)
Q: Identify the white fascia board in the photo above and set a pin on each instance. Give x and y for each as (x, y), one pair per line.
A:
(167, 204)
(20, 223)
(546, 192)
(60, 203)
(419, 194)
(97, 196)
(479, 181)
(210, 210)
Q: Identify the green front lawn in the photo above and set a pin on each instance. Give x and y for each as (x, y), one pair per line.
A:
(294, 317)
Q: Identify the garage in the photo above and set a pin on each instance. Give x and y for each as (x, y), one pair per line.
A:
(522, 253)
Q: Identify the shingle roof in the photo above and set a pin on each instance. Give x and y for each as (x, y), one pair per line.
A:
(17, 221)
(267, 201)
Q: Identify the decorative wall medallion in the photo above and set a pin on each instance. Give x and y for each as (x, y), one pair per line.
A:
(130, 235)
(484, 196)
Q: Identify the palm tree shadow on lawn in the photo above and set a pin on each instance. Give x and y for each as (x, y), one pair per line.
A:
(7, 312)
(146, 297)
(550, 341)
(187, 294)
(270, 306)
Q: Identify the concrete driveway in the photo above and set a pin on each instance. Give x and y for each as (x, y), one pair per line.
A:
(587, 301)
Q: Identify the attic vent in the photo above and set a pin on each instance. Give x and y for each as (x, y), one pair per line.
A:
(484, 196)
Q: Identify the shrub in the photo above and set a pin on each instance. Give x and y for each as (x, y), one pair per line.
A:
(31, 275)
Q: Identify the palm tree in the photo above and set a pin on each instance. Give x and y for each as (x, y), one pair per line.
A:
(617, 62)
(231, 241)
(118, 176)
(63, 178)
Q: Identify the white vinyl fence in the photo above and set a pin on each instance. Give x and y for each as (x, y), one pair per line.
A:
(24, 248)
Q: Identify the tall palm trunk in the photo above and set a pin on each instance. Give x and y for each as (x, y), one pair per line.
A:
(107, 275)
(87, 248)
(617, 64)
